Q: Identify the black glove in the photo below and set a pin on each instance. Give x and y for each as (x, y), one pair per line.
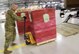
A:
(24, 17)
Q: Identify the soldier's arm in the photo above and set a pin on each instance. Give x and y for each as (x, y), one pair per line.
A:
(13, 15)
(17, 17)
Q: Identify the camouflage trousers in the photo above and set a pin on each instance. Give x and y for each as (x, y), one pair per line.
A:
(10, 35)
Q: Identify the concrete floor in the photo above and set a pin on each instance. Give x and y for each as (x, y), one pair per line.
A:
(62, 45)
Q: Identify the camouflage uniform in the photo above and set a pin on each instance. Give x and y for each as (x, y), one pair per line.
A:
(10, 32)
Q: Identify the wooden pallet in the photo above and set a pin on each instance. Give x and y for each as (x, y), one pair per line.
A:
(46, 41)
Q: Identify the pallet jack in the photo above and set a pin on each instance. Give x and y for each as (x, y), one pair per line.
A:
(26, 37)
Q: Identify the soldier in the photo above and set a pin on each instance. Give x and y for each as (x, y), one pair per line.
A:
(10, 32)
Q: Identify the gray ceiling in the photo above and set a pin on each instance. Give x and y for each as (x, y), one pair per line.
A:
(28, 0)
(4, 3)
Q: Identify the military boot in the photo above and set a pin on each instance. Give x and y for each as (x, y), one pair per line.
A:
(7, 52)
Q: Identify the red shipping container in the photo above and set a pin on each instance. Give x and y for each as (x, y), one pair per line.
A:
(41, 30)
(20, 24)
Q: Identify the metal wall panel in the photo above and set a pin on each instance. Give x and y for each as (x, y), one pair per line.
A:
(71, 3)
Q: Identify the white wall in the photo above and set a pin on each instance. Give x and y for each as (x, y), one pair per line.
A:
(3, 0)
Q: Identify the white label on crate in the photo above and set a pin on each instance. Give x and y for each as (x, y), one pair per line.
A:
(23, 14)
(46, 17)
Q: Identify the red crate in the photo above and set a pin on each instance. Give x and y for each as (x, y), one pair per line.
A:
(43, 31)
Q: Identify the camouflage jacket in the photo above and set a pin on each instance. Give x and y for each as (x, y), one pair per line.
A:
(11, 17)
